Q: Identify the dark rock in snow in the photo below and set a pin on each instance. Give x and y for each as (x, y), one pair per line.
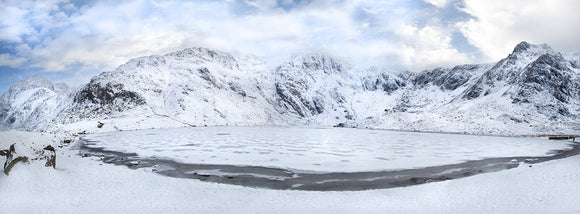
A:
(547, 74)
(456, 77)
(96, 99)
(296, 78)
(429, 76)
(237, 88)
(108, 94)
(49, 154)
(11, 160)
(205, 74)
(384, 82)
(522, 46)
(548, 83)
(446, 79)
(473, 92)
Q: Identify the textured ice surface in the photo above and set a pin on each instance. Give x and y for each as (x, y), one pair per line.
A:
(318, 149)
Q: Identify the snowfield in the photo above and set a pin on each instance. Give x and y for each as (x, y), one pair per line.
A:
(86, 185)
(317, 149)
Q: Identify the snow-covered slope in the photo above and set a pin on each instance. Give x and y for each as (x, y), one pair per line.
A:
(195, 86)
(327, 91)
(32, 102)
(533, 90)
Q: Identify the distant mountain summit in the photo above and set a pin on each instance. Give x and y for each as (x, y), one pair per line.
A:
(533, 90)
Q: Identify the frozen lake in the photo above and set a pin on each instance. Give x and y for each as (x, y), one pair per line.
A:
(318, 150)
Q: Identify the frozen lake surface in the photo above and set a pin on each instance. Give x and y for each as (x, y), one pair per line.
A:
(317, 150)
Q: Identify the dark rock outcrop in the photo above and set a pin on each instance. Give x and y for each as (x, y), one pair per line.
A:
(294, 85)
(108, 94)
(549, 74)
(96, 99)
(11, 159)
(385, 82)
(49, 153)
(456, 77)
(446, 79)
(521, 47)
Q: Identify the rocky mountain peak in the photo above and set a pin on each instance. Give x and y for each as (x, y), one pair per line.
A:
(325, 63)
(32, 82)
(29, 100)
(522, 46)
(525, 48)
(549, 76)
(554, 60)
(39, 84)
(316, 63)
(205, 55)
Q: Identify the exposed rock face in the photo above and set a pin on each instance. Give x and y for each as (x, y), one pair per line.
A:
(298, 84)
(447, 79)
(383, 81)
(104, 99)
(507, 70)
(108, 94)
(521, 47)
(457, 77)
(549, 74)
(49, 154)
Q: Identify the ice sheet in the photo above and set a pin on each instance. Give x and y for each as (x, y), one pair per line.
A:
(318, 149)
(85, 185)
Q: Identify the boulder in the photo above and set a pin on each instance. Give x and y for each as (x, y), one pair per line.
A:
(49, 154)
(10, 160)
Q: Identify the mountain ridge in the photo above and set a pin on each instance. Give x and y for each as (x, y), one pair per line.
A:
(533, 90)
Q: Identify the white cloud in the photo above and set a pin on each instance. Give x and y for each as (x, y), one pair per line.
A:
(12, 23)
(11, 61)
(499, 25)
(438, 3)
(26, 20)
(105, 34)
(428, 47)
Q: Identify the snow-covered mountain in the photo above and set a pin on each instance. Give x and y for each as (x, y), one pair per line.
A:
(533, 90)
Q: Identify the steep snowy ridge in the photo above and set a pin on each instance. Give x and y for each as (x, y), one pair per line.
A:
(534, 76)
(507, 70)
(300, 90)
(327, 91)
(196, 86)
(31, 102)
(533, 90)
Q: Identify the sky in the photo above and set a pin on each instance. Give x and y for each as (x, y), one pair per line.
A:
(72, 40)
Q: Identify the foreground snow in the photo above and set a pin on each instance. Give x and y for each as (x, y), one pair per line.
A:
(318, 149)
(85, 185)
